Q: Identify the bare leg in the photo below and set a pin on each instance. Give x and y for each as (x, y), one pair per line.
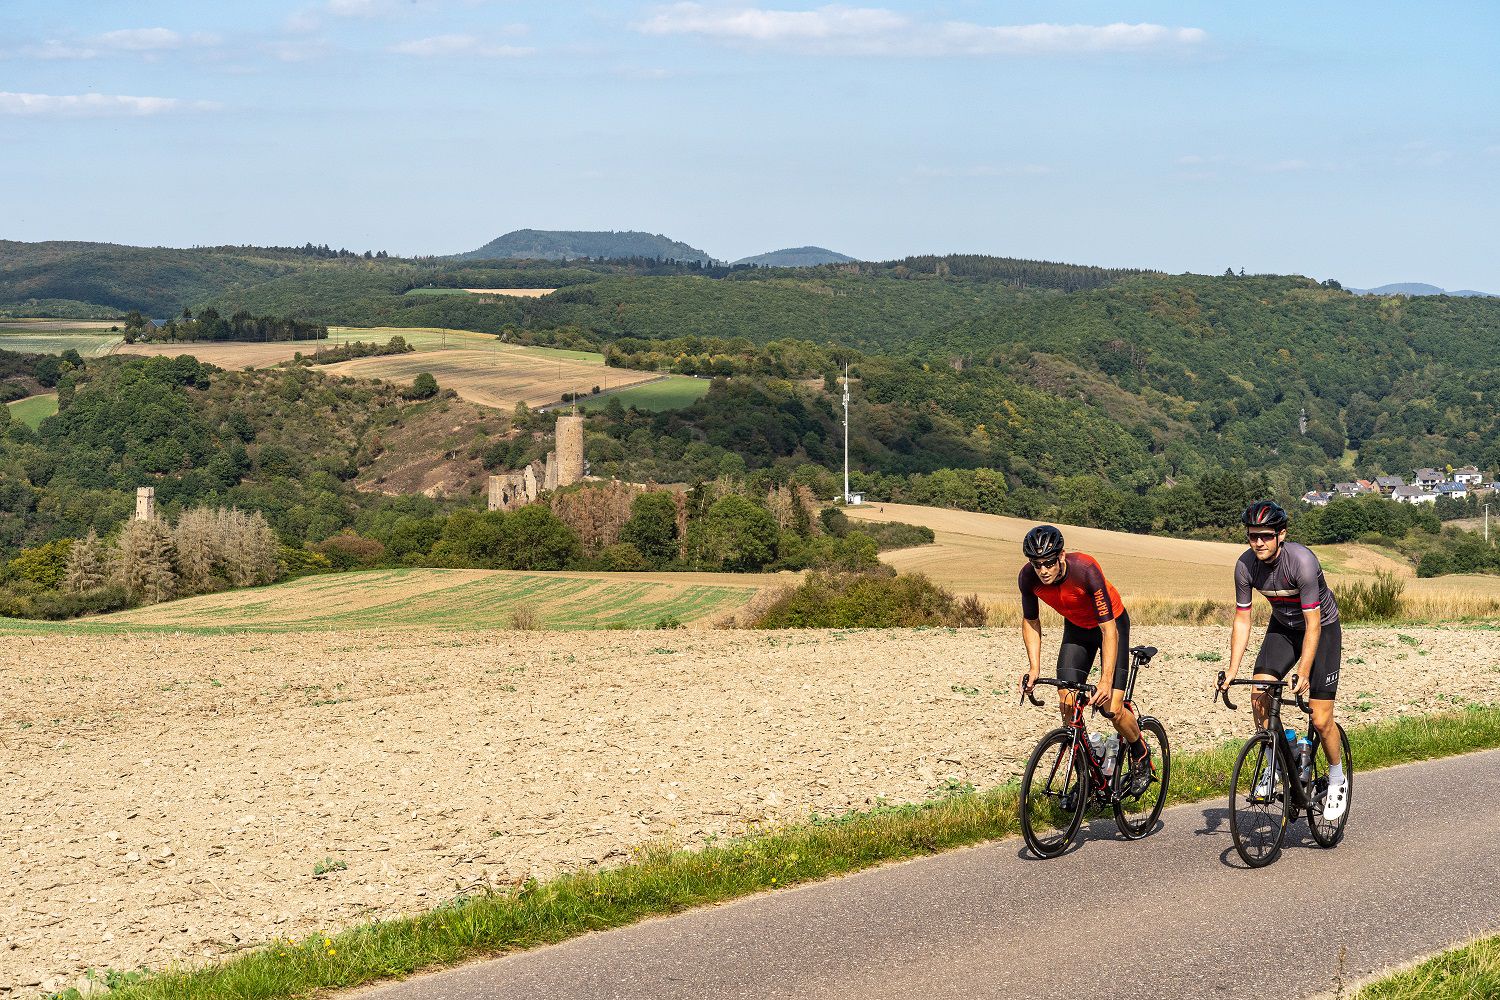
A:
(1125, 721)
(1260, 701)
(1322, 720)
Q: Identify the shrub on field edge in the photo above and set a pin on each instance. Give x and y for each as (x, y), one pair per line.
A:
(868, 600)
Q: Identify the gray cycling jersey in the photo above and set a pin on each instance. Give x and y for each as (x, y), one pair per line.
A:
(1293, 584)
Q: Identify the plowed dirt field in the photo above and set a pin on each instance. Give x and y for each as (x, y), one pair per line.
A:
(169, 797)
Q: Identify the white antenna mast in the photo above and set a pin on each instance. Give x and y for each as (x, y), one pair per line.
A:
(846, 433)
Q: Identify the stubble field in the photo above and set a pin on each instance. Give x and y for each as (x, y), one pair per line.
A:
(981, 553)
(499, 379)
(176, 798)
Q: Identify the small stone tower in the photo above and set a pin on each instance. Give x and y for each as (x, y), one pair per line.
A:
(145, 503)
(569, 449)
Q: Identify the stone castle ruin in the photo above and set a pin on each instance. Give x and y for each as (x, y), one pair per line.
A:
(562, 467)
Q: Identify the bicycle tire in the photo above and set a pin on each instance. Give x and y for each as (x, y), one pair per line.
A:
(1258, 823)
(1329, 834)
(1138, 820)
(1048, 833)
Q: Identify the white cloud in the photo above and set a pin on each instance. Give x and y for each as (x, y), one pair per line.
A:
(302, 22)
(359, 8)
(454, 46)
(1199, 159)
(987, 170)
(54, 49)
(147, 42)
(840, 30)
(1287, 167)
(94, 105)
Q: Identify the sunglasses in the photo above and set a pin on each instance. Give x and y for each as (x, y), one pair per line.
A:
(1044, 563)
(1261, 536)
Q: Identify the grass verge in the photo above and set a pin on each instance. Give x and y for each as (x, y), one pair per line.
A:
(1464, 973)
(665, 879)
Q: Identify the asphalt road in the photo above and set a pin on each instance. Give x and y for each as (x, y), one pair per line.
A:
(1174, 915)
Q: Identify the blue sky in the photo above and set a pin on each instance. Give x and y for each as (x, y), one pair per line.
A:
(1355, 141)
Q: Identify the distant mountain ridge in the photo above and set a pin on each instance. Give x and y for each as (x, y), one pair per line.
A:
(551, 244)
(1419, 288)
(797, 257)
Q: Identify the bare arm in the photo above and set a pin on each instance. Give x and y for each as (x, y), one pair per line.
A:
(1239, 640)
(1109, 651)
(1031, 636)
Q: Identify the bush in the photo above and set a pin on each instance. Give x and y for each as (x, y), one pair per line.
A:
(668, 622)
(524, 618)
(622, 557)
(56, 605)
(347, 550)
(424, 386)
(863, 600)
(1378, 601)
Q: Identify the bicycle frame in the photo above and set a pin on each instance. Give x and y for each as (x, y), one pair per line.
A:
(1101, 784)
(1283, 757)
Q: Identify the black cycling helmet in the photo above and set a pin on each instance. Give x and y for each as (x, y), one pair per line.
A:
(1264, 514)
(1041, 542)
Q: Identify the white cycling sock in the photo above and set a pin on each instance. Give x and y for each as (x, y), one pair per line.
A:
(1336, 774)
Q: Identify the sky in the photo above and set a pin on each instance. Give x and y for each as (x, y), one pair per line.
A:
(1356, 141)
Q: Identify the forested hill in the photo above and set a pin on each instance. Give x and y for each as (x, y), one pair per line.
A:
(795, 257)
(542, 244)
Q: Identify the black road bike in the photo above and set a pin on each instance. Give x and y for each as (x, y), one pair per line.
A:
(1064, 774)
(1269, 789)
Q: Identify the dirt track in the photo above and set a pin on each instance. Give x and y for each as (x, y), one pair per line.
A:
(167, 798)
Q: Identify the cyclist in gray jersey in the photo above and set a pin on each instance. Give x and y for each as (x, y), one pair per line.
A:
(1304, 632)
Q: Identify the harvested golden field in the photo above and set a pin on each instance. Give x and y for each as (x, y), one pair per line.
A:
(171, 797)
(230, 354)
(498, 378)
(523, 293)
(981, 553)
(452, 598)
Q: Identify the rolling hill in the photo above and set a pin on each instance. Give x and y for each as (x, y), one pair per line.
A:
(796, 257)
(543, 244)
(1419, 288)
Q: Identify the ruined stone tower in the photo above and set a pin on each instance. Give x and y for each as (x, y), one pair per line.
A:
(145, 503)
(569, 449)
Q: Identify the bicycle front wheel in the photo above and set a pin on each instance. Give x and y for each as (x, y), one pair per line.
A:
(1259, 801)
(1054, 792)
(1136, 816)
(1324, 833)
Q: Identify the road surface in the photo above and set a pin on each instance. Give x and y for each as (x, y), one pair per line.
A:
(1174, 915)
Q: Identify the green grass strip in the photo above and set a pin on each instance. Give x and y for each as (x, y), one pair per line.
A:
(1465, 973)
(662, 879)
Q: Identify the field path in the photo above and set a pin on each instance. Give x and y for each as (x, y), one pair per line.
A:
(989, 923)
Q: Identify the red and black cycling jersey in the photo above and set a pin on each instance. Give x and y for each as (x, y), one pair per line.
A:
(1083, 596)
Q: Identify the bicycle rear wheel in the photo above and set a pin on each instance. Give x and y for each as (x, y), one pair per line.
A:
(1323, 833)
(1054, 792)
(1137, 816)
(1258, 817)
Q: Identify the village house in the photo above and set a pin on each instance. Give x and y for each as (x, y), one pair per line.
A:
(1388, 484)
(1315, 499)
(1453, 491)
(1468, 475)
(1428, 478)
(1412, 494)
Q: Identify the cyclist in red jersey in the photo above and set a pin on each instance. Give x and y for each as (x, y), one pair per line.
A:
(1095, 623)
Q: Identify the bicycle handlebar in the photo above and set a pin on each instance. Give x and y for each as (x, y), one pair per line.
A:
(1087, 690)
(1221, 690)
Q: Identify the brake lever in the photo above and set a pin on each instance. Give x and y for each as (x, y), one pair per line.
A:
(1027, 695)
(1220, 691)
(1301, 703)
